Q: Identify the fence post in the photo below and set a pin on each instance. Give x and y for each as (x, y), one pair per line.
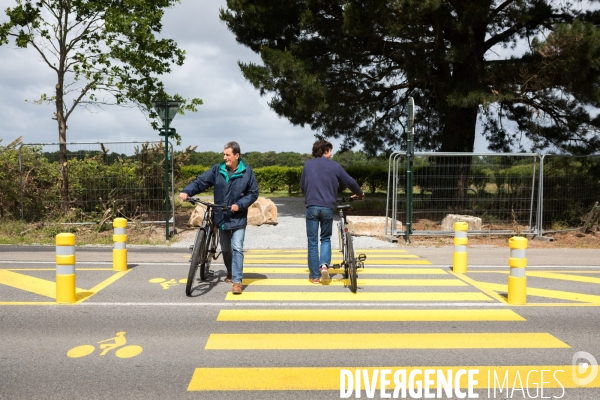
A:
(517, 281)
(65, 268)
(461, 240)
(120, 244)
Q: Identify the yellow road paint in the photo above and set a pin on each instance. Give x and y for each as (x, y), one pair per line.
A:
(366, 271)
(303, 378)
(371, 341)
(482, 288)
(333, 257)
(301, 261)
(564, 277)
(47, 288)
(54, 269)
(362, 282)
(552, 294)
(303, 251)
(369, 315)
(360, 296)
(30, 284)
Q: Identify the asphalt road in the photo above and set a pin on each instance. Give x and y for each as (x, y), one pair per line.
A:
(410, 311)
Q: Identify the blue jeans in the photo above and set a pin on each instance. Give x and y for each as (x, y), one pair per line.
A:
(315, 216)
(232, 246)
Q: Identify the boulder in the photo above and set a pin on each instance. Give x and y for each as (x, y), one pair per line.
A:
(368, 226)
(450, 219)
(263, 211)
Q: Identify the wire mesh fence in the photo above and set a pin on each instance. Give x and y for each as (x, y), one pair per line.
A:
(570, 187)
(500, 189)
(111, 179)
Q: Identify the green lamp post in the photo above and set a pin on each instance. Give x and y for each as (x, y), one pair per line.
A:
(166, 110)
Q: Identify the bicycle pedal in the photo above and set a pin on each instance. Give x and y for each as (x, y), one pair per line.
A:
(362, 257)
(191, 248)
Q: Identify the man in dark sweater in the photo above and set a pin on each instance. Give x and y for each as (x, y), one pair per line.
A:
(319, 182)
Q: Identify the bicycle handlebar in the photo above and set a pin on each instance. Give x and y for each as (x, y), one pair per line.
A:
(195, 200)
(347, 199)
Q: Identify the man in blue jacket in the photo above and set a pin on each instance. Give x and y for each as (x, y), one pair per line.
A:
(235, 185)
(319, 182)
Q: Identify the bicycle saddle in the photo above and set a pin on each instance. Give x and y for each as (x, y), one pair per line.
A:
(343, 207)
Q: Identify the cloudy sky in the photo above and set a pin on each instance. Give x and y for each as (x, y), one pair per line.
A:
(232, 110)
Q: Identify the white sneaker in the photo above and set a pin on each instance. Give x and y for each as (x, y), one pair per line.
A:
(324, 273)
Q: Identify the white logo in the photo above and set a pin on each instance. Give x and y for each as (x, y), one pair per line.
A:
(589, 367)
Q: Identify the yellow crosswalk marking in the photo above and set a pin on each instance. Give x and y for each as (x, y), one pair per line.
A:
(364, 341)
(303, 251)
(333, 257)
(369, 315)
(369, 271)
(360, 296)
(303, 261)
(303, 378)
(553, 294)
(363, 282)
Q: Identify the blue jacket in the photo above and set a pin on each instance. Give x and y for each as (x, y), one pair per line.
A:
(320, 180)
(240, 189)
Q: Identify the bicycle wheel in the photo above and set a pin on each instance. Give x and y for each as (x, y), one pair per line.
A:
(205, 267)
(344, 251)
(196, 259)
(351, 261)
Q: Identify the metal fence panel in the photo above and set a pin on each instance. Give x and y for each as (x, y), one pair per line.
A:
(126, 177)
(569, 188)
(498, 188)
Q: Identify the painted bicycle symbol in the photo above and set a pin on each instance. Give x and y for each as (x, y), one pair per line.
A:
(166, 284)
(117, 342)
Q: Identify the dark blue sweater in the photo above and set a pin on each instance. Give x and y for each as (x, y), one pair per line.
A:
(320, 180)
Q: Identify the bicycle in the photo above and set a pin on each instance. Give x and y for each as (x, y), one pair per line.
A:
(204, 249)
(350, 262)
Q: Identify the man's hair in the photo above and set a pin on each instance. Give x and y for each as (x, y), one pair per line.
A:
(234, 146)
(320, 147)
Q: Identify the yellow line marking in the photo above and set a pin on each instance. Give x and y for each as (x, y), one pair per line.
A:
(303, 378)
(303, 261)
(360, 296)
(303, 251)
(478, 286)
(333, 257)
(363, 282)
(563, 277)
(29, 303)
(31, 284)
(505, 272)
(553, 294)
(358, 341)
(369, 315)
(103, 285)
(366, 271)
(54, 269)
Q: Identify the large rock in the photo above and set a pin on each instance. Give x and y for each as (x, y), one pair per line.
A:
(448, 222)
(369, 226)
(263, 211)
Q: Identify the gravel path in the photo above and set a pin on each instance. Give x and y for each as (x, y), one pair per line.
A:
(289, 233)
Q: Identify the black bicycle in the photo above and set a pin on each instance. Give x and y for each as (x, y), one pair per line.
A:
(204, 249)
(350, 262)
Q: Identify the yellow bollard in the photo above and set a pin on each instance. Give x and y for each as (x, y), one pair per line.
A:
(517, 281)
(120, 244)
(459, 264)
(65, 268)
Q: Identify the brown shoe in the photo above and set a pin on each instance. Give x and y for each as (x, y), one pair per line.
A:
(237, 288)
(228, 279)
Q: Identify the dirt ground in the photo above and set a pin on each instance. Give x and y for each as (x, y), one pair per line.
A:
(567, 239)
